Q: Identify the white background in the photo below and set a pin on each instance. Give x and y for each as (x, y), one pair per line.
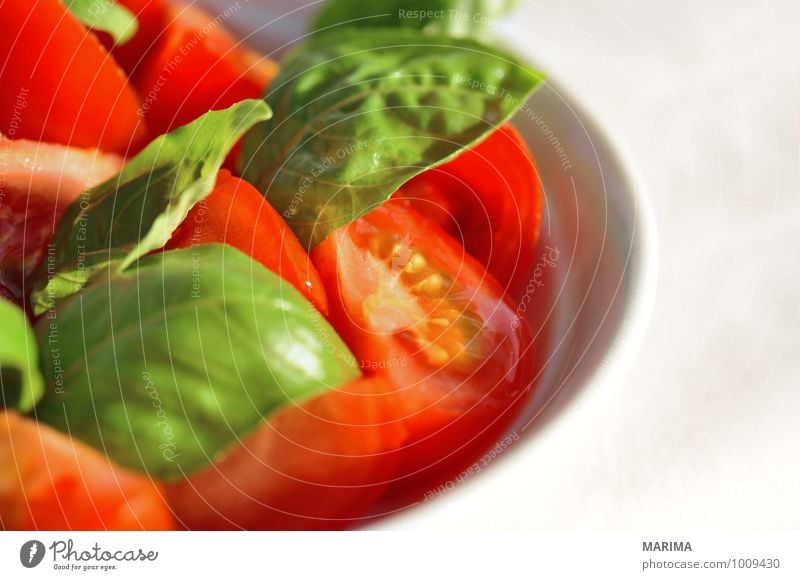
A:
(704, 431)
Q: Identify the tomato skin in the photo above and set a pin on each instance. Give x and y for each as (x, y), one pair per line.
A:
(490, 197)
(151, 16)
(59, 83)
(450, 398)
(317, 466)
(39, 181)
(189, 72)
(50, 482)
(235, 213)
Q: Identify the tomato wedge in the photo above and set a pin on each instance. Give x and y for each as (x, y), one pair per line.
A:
(412, 304)
(37, 182)
(59, 84)
(151, 16)
(195, 67)
(235, 213)
(51, 482)
(490, 197)
(320, 465)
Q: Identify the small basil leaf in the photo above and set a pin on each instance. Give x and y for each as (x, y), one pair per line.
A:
(165, 365)
(470, 18)
(105, 15)
(358, 113)
(136, 211)
(21, 383)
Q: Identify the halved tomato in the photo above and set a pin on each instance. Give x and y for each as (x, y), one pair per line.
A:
(412, 304)
(51, 482)
(195, 67)
(320, 465)
(38, 182)
(235, 213)
(60, 85)
(490, 198)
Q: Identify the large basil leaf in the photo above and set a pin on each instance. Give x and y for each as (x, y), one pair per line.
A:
(470, 18)
(165, 365)
(105, 15)
(136, 211)
(359, 112)
(21, 383)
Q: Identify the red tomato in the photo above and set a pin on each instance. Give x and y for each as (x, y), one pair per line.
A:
(37, 182)
(195, 67)
(489, 197)
(151, 16)
(317, 466)
(51, 482)
(59, 84)
(235, 213)
(411, 303)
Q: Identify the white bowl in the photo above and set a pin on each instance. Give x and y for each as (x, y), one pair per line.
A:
(599, 296)
(600, 292)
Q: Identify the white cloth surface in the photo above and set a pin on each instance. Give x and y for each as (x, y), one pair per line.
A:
(704, 430)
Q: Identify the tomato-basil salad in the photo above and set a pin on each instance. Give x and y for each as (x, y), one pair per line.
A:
(241, 294)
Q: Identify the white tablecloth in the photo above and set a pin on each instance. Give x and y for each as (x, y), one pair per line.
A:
(704, 431)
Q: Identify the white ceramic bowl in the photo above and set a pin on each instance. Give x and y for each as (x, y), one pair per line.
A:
(597, 220)
(599, 295)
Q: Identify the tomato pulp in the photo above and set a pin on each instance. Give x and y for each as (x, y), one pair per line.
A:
(410, 302)
(490, 197)
(38, 182)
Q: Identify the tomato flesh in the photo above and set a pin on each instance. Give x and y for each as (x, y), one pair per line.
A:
(60, 85)
(411, 303)
(195, 67)
(151, 16)
(490, 197)
(39, 181)
(235, 213)
(320, 465)
(49, 481)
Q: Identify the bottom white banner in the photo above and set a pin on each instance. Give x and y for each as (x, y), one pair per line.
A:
(355, 555)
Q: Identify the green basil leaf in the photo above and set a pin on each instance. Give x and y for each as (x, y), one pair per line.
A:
(359, 113)
(21, 383)
(136, 211)
(469, 18)
(105, 15)
(165, 365)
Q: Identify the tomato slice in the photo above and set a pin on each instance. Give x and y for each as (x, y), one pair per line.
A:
(490, 197)
(320, 465)
(37, 182)
(59, 83)
(412, 304)
(235, 213)
(151, 16)
(51, 482)
(195, 67)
